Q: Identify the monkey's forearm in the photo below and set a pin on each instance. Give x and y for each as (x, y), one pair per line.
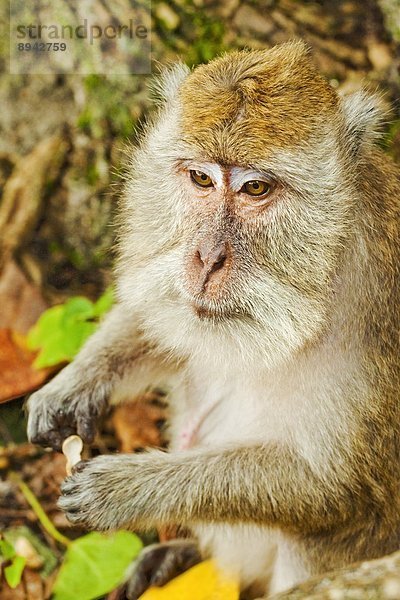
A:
(75, 399)
(268, 485)
(112, 349)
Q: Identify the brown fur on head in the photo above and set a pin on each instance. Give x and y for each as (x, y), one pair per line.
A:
(243, 103)
(264, 111)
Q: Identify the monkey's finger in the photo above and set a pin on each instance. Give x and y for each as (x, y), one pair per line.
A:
(140, 580)
(137, 586)
(76, 518)
(68, 504)
(78, 468)
(74, 514)
(49, 439)
(33, 429)
(67, 487)
(66, 431)
(71, 504)
(160, 563)
(86, 429)
(47, 428)
(38, 426)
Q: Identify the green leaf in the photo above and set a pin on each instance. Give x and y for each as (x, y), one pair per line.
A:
(47, 324)
(95, 564)
(62, 330)
(104, 303)
(77, 309)
(13, 572)
(62, 345)
(6, 549)
(52, 352)
(74, 336)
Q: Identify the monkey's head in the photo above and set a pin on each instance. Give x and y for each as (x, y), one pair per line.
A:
(241, 200)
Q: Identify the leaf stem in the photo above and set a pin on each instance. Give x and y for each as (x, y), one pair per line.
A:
(38, 510)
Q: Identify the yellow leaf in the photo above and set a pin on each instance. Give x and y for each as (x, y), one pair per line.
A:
(202, 582)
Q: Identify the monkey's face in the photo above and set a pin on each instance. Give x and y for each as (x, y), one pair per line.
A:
(255, 248)
(232, 258)
(235, 216)
(226, 203)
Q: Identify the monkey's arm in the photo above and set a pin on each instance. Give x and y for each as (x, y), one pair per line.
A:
(264, 484)
(75, 399)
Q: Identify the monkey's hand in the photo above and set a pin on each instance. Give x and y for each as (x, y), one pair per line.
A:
(159, 563)
(70, 403)
(118, 491)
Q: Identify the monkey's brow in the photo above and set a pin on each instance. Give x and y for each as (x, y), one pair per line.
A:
(198, 160)
(263, 170)
(187, 162)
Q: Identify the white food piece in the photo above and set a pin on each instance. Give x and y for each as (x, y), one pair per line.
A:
(72, 449)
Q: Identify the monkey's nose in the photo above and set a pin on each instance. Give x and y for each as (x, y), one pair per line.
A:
(210, 260)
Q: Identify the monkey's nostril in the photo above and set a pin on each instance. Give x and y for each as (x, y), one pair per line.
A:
(209, 260)
(218, 264)
(198, 259)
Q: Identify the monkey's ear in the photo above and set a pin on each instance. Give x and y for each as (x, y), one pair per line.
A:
(363, 113)
(165, 86)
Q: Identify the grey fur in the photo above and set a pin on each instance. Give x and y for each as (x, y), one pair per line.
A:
(293, 376)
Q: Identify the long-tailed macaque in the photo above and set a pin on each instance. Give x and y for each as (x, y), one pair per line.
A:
(258, 281)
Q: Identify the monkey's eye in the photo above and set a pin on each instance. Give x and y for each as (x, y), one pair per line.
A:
(201, 179)
(256, 188)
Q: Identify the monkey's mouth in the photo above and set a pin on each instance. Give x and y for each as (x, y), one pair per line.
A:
(215, 314)
(207, 313)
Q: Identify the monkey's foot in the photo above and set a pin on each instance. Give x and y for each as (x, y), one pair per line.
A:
(159, 563)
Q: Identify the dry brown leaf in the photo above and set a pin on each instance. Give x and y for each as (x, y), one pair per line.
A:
(17, 376)
(137, 424)
(30, 588)
(6, 593)
(21, 301)
(34, 587)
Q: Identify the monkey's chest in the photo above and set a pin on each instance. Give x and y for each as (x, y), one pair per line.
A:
(223, 412)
